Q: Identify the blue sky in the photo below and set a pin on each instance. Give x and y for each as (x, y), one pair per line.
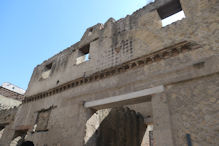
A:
(31, 31)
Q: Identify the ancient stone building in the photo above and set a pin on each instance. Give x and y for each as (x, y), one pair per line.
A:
(13, 88)
(165, 78)
(10, 96)
(10, 99)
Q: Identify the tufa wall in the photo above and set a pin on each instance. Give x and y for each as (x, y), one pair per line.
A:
(125, 56)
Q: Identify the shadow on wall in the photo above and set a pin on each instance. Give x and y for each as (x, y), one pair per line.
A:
(19, 139)
(27, 143)
(120, 127)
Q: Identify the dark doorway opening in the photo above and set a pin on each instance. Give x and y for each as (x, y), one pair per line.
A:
(27, 143)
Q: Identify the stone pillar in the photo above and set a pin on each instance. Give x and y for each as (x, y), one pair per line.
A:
(161, 118)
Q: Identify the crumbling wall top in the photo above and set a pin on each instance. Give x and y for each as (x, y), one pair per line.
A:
(115, 42)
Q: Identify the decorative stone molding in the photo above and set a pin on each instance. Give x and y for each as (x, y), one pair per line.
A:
(157, 56)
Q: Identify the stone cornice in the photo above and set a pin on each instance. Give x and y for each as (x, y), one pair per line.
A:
(157, 56)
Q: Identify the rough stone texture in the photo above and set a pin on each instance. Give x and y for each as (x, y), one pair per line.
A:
(11, 94)
(7, 116)
(161, 121)
(120, 127)
(92, 125)
(7, 103)
(144, 108)
(190, 78)
(143, 35)
(194, 109)
(9, 99)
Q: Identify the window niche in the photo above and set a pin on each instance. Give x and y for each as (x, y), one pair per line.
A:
(83, 54)
(90, 31)
(46, 71)
(171, 12)
(42, 120)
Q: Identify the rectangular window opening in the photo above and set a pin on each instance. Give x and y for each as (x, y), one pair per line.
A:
(83, 54)
(176, 17)
(171, 12)
(46, 72)
(42, 120)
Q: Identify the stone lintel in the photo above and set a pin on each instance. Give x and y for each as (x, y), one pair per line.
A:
(125, 99)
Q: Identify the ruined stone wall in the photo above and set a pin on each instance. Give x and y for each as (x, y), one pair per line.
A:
(7, 116)
(143, 33)
(194, 110)
(119, 127)
(128, 38)
(11, 94)
(7, 103)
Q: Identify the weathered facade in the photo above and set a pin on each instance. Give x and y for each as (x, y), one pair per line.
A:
(170, 75)
(9, 98)
(9, 102)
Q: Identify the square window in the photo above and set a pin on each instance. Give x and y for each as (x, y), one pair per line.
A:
(83, 54)
(171, 12)
(173, 18)
(47, 70)
(42, 120)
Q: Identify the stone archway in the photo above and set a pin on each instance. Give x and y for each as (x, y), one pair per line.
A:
(116, 127)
